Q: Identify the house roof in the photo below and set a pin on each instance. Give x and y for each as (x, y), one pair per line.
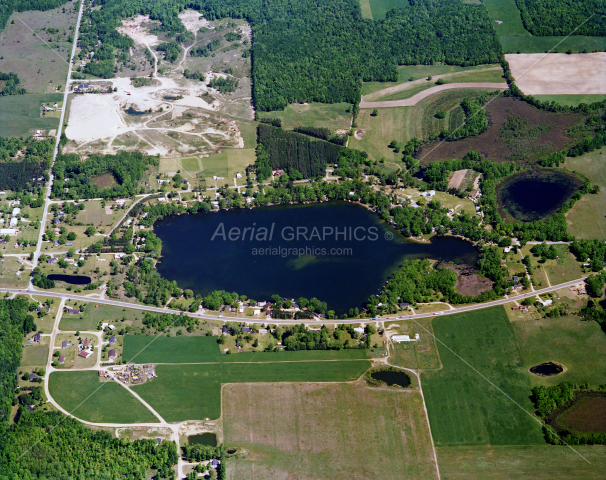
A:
(30, 408)
(85, 353)
(112, 339)
(111, 353)
(64, 344)
(61, 359)
(32, 376)
(37, 337)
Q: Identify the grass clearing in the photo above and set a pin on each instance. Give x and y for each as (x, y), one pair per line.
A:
(417, 355)
(21, 114)
(327, 431)
(571, 100)
(193, 392)
(334, 116)
(366, 10)
(41, 68)
(197, 349)
(93, 314)
(522, 462)
(34, 356)
(83, 395)
(565, 268)
(379, 8)
(587, 218)
(464, 408)
(567, 340)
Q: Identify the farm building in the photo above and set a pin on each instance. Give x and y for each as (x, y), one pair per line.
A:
(405, 338)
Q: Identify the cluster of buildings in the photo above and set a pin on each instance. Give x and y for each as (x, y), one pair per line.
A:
(131, 374)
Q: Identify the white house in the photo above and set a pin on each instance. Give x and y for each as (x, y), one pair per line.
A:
(14, 221)
(546, 303)
(120, 202)
(16, 211)
(359, 330)
(405, 338)
(8, 231)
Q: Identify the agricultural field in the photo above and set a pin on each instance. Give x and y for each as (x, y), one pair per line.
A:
(193, 392)
(587, 218)
(21, 114)
(523, 462)
(335, 431)
(37, 48)
(566, 340)
(535, 133)
(481, 395)
(197, 349)
(336, 116)
(84, 396)
(515, 38)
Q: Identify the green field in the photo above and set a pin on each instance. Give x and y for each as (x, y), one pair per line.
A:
(92, 316)
(571, 100)
(587, 219)
(515, 38)
(379, 8)
(522, 462)
(333, 116)
(34, 356)
(193, 392)
(21, 114)
(320, 431)
(149, 349)
(81, 394)
(580, 346)
(479, 353)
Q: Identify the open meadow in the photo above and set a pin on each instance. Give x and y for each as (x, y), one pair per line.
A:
(566, 340)
(84, 396)
(515, 38)
(193, 392)
(522, 462)
(481, 395)
(21, 114)
(40, 59)
(335, 116)
(198, 349)
(377, 9)
(587, 218)
(318, 431)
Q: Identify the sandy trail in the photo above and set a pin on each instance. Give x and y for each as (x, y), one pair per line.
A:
(374, 96)
(412, 101)
(559, 73)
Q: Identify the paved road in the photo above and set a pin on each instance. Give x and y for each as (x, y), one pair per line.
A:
(249, 320)
(409, 102)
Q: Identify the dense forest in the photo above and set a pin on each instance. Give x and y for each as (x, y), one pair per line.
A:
(43, 444)
(11, 85)
(293, 152)
(77, 176)
(547, 18)
(318, 50)
(17, 172)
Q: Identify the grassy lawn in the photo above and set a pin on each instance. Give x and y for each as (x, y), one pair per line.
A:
(95, 214)
(571, 100)
(567, 340)
(34, 355)
(21, 114)
(465, 407)
(587, 218)
(522, 462)
(83, 395)
(92, 316)
(565, 268)
(327, 431)
(333, 117)
(193, 392)
(197, 349)
(418, 355)
(366, 11)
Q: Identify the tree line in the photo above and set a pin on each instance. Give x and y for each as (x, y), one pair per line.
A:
(546, 18)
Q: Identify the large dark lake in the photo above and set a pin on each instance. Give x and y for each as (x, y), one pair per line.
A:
(535, 196)
(295, 251)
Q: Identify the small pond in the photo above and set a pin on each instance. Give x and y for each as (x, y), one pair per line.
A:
(208, 439)
(535, 196)
(547, 369)
(171, 98)
(72, 279)
(132, 111)
(392, 378)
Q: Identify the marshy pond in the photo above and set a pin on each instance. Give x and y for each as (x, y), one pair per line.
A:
(535, 196)
(338, 252)
(208, 439)
(392, 378)
(547, 369)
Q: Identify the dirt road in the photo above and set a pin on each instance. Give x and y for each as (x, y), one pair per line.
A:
(412, 101)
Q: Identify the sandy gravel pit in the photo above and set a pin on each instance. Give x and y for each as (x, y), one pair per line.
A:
(559, 73)
(92, 117)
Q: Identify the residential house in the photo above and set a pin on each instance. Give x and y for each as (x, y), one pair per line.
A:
(32, 376)
(61, 359)
(246, 330)
(73, 311)
(404, 305)
(52, 260)
(112, 340)
(85, 343)
(359, 330)
(37, 337)
(111, 354)
(64, 344)
(85, 353)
